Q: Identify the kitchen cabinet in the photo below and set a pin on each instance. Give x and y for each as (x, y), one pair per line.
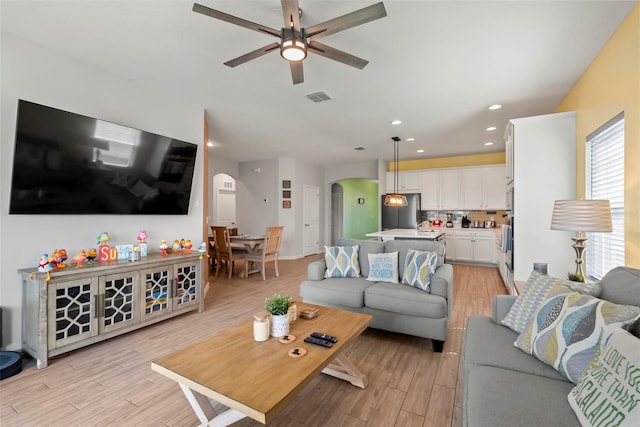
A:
(440, 189)
(408, 182)
(450, 245)
(82, 306)
(475, 246)
(544, 170)
(483, 188)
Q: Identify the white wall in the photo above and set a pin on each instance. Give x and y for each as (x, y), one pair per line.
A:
(40, 75)
(254, 214)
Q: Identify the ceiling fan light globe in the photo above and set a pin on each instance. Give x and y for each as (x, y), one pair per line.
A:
(293, 50)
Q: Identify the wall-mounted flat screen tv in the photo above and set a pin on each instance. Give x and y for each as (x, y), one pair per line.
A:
(66, 163)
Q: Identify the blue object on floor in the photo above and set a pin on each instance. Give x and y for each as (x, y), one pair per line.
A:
(10, 364)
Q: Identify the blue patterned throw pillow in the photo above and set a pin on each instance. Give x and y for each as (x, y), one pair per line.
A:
(341, 261)
(418, 268)
(565, 330)
(383, 267)
(535, 290)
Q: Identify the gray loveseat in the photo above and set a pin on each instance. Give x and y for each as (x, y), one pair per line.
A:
(503, 386)
(394, 307)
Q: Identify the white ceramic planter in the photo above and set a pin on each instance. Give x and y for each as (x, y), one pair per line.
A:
(279, 325)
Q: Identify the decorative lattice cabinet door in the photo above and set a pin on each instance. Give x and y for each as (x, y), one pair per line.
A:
(187, 285)
(118, 299)
(72, 311)
(158, 287)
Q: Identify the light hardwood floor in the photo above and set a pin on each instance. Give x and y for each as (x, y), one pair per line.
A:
(111, 383)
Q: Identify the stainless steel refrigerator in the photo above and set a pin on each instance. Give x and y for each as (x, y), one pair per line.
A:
(401, 217)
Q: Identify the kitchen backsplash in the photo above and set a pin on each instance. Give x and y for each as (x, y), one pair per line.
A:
(498, 216)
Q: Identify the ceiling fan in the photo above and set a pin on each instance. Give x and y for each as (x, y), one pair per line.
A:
(295, 41)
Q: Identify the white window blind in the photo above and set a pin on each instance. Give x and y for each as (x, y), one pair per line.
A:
(605, 180)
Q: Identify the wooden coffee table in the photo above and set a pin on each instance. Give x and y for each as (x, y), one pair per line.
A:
(258, 379)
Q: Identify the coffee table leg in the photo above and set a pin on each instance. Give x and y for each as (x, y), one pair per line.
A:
(205, 412)
(343, 368)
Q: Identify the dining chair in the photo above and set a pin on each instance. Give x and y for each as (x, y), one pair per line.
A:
(266, 252)
(223, 250)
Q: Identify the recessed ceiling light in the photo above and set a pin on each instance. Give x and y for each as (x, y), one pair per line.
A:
(495, 107)
(420, 151)
(491, 128)
(209, 144)
(410, 139)
(396, 122)
(488, 143)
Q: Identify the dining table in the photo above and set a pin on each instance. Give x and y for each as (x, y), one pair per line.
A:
(252, 244)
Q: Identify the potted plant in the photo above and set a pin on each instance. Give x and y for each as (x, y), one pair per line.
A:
(278, 306)
(575, 277)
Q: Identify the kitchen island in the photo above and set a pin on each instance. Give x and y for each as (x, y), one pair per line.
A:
(408, 234)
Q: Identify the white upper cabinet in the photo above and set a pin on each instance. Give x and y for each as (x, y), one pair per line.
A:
(484, 188)
(408, 182)
(471, 188)
(495, 189)
(440, 189)
(430, 195)
(450, 189)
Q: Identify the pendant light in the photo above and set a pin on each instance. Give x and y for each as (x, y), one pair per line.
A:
(395, 199)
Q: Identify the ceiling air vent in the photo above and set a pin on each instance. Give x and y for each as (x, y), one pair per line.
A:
(318, 96)
(359, 148)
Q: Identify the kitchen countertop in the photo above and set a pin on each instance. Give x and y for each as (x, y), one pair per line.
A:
(405, 233)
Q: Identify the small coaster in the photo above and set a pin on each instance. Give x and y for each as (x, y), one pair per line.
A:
(287, 339)
(297, 352)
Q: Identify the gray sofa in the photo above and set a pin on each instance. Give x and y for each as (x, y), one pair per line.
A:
(503, 386)
(394, 307)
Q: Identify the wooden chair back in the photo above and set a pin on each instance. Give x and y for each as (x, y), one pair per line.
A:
(221, 239)
(273, 236)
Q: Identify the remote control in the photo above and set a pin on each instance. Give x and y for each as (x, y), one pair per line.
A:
(318, 341)
(324, 337)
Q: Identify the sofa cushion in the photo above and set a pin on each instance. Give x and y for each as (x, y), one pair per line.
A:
(495, 397)
(608, 391)
(566, 329)
(419, 266)
(340, 291)
(622, 286)
(341, 261)
(366, 247)
(491, 344)
(402, 246)
(383, 267)
(405, 300)
(535, 290)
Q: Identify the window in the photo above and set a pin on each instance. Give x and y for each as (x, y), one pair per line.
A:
(605, 180)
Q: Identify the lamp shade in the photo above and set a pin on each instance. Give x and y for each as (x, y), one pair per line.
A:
(581, 215)
(395, 200)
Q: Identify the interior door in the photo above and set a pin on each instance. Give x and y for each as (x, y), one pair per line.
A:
(224, 191)
(311, 220)
(226, 208)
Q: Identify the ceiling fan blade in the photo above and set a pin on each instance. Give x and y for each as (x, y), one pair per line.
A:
(235, 20)
(336, 55)
(297, 74)
(291, 13)
(353, 19)
(252, 55)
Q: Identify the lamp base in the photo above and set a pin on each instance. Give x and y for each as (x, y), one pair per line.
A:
(579, 245)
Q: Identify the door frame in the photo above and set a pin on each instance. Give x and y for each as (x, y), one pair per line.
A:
(306, 205)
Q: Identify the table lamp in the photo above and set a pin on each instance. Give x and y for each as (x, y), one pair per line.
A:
(581, 216)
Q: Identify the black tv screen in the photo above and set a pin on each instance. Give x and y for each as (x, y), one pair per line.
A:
(66, 163)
